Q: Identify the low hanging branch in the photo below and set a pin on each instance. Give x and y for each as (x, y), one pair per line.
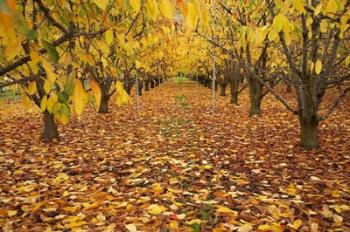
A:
(64, 38)
(335, 104)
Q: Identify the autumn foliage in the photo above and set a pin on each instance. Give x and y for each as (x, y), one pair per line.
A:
(174, 115)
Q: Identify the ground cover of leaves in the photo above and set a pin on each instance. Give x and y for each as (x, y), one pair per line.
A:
(174, 167)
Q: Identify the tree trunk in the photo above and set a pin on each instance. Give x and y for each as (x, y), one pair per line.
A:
(128, 88)
(223, 89)
(140, 87)
(103, 104)
(152, 84)
(308, 118)
(157, 81)
(234, 84)
(255, 93)
(309, 138)
(146, 85)
(50, 127)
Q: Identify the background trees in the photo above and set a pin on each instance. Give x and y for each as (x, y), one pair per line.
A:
(57, 52)
(302, 42)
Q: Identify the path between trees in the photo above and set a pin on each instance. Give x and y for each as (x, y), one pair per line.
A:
(175, 166)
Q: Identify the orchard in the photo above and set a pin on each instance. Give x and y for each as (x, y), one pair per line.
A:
(174, 115)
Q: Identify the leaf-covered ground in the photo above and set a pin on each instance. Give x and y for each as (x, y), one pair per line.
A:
(174, 167)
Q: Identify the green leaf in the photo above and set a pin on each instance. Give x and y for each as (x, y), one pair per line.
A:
(62, 97)
(51, 50)
(65, 110)
(68, 89)
(31, 34)
(4, 7)
(195, 227)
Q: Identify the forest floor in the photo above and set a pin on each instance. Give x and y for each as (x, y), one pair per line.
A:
(174, 167)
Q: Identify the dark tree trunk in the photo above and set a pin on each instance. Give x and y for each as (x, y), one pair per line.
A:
(223, 89)
(140, 87)
(128, 88)
(50, 127)
(308, 120)
(103, 104)
(152, 84)
(146, 85)
(157, 81)
(255, 94)
(105, 87)
(216, 85)
(234, 84)
(309, 137)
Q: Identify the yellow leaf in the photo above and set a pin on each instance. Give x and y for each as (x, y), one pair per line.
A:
(96, 90)
(245, 228)
(121, 96)
(291, 190)
(12, 213)
(281, 22)
(299, 5)
(32, 88)
(344, 19)
(76, 224)
(156, 209)
(71, 209)
(43, 103)
(173, 225)
(347, 60)
(191, 15)
(318, 9)
(79, 97)
(131, 228)
(157, 188)
(102, 3)
(207, 166)
(261, 34)
(47, 87)
(333, 6)
(51, 101)
(138, 64)
(61, 177)
(135, 5)
(297, 223)
(318, 67)
(152, 9)
(26, 102)
(34, 56)
(223, 209)
(337, 218)
(264, 227)
(88, 205)
(51, 76)
(166, 8)
(109, 37)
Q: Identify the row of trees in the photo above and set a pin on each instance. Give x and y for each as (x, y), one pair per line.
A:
(304, 44)
(50, 49)
(58, 52)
